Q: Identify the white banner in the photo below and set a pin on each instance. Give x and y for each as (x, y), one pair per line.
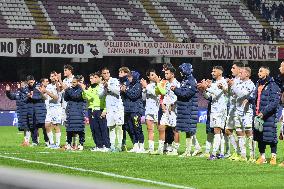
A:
(8, 47)
(240, 52)
(152, 49)
(65, 48)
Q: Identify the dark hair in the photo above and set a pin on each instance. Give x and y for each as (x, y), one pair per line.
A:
(77, 77)
(80, 77)
(98, 73)
(53, 72)
(69, 67)
(150, 70)
(30, 77)
(171, 69)
(219, 68)
(238, 64)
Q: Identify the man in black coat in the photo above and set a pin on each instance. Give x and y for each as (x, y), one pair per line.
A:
(36, 108)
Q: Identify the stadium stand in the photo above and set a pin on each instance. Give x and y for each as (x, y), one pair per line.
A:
(145, 20)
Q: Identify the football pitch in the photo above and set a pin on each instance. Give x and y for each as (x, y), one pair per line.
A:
(153, 171)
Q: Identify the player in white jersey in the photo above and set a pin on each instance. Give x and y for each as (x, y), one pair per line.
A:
(54, 111)
(244, 113)
(230, 123)
(114, 108)
(150, 94)
(217, 92)
(168, 118)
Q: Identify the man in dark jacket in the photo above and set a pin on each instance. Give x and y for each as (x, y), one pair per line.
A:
(265, 99)
(280, 82)
(75, 113)
(133, 108)
(22, 112)
(123, 72)
(187, 106)
(36, 108)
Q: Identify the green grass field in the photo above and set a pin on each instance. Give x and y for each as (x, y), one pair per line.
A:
(193, 172)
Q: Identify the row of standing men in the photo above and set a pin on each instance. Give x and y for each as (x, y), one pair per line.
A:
(115, 107)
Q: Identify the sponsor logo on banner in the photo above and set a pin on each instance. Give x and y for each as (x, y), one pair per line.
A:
(8, 47)
(66, 48)
(140, 48)
(240, 52)
(23, 47)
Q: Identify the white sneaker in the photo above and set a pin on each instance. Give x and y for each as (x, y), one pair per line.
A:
(67, 147)
(173, 153)
(227, 155)
(105, 149)
(80, 147)
(141, 151)
(135, 148)
(54, 146)
(94, 149)
(196, 152)
(169, 148)
(34, 144)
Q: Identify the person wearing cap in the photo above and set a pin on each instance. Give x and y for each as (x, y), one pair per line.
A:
(133, 109)
(187, 107)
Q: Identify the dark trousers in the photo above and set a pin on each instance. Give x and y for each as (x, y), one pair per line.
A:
(99, 129)
(81, 134)
(124, 135)
(134, 127)
(35, 134)
(169, 135)
(262, 147)
(46, 139)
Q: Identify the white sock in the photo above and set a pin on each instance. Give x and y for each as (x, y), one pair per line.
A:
(233, 142)
(50, 137)
(188, 142)
(57, 138)
(227, 144)
(216, 143)
(195, 143)
(161, 145)
(209, 142)
(28, 136)
(242, 146)
(251, 145)
(119, 135)
(151, 145)
(141, 146)
(222, 145)
(112, 136)
(176, 145)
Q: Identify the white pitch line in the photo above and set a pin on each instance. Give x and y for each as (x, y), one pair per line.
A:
(99, 172)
